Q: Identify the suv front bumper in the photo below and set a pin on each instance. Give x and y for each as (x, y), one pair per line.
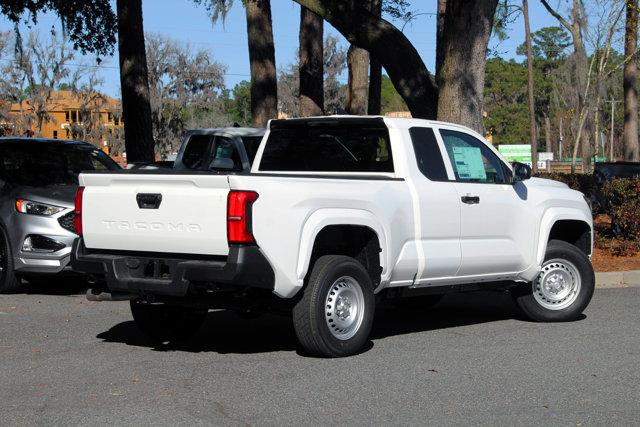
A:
(171, 274)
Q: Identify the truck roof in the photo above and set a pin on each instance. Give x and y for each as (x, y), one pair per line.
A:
(239, 131)
(393, 122)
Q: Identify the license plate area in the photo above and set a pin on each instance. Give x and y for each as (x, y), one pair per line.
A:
(148, 268)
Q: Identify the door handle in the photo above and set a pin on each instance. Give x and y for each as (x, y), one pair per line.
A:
(470, 200)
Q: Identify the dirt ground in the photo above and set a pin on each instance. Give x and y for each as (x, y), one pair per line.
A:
(604, 261)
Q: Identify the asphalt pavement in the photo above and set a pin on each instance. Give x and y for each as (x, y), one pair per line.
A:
(470, 360)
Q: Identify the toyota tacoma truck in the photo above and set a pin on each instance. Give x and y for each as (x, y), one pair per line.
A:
(336, 214)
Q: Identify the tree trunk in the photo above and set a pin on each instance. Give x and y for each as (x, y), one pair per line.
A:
(375, 72)
(389, 45)
(581, 74)
(467, 28)
(311, 63)
(264, 87)
(442, 8)
(548, 141)
(631, 147)
(358, 86)
(532, 112)
(136, 106)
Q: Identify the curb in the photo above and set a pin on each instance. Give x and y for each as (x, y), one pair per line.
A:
(618, 279)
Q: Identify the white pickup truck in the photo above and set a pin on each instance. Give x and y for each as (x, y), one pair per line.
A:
(337, 213)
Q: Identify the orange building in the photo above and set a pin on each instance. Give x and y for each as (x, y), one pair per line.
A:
(91, 116)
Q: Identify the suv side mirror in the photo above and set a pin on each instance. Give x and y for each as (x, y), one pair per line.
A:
(521, 171)
(223, 163)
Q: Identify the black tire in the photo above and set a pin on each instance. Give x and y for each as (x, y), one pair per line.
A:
(310, 315)
(533, 308)
(162, 323)
(9, 281)
(421, 302)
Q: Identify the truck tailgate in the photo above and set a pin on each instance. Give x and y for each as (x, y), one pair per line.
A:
(168, 213)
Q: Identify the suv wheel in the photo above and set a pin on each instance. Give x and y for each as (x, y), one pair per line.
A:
(164, 323)
(9, 282)
(334, 316)
(563, 288)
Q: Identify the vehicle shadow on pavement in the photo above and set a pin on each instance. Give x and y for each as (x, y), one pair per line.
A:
(224, 332)
(55, 286)
(453, 311)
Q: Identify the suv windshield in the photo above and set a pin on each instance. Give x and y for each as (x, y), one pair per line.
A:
(43, 164)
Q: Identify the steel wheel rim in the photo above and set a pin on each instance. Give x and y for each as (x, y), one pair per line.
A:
(558, 284)
(344, 308)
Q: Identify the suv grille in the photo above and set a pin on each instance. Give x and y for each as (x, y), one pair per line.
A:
(66, 221)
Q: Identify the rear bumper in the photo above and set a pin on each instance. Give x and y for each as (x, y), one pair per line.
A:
(162, 274)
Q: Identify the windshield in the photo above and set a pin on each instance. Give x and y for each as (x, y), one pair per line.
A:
(40, 165)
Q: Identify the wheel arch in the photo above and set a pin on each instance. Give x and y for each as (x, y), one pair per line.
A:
(358, 230)
(569, 225)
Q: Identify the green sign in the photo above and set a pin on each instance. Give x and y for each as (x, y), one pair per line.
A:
(516, 152)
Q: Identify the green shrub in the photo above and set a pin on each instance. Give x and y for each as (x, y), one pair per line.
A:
(622, 199)
(584, 183)
(623, 204)
(621, 190)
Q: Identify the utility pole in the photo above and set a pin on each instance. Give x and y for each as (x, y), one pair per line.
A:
(613, 113)
(561, 140)
(532, 114)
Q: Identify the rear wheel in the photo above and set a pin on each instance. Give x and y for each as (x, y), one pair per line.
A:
(335, 314)
(563, 288)
(9, 282)
(164, 323)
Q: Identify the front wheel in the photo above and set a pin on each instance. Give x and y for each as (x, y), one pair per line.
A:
(9, 281)
(334, 316)
(563, 288)
(164, 323)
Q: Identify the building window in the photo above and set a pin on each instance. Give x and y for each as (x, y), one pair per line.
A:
(55, 134)
(74, 116)
(110, 117)
(66, 116)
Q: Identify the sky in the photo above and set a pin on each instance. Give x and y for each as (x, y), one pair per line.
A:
(187, 22)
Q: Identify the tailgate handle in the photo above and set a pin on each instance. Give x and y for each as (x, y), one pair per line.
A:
(149, 200)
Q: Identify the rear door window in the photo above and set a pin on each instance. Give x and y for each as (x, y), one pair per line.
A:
(196, 153)
(428, 154)
(224, 148)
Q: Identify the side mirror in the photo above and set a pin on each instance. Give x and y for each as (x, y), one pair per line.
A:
(521, 171)
(222, 163)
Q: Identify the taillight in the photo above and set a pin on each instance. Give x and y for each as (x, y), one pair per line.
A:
(77, 219)
(239, 216)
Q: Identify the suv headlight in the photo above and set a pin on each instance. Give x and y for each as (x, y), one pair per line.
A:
(36, 208)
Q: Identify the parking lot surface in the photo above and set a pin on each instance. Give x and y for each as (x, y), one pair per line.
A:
(470, 360)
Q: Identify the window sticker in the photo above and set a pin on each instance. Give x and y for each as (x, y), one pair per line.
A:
(469, 163)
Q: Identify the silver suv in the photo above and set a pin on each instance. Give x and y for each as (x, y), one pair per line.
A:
(38, 182)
